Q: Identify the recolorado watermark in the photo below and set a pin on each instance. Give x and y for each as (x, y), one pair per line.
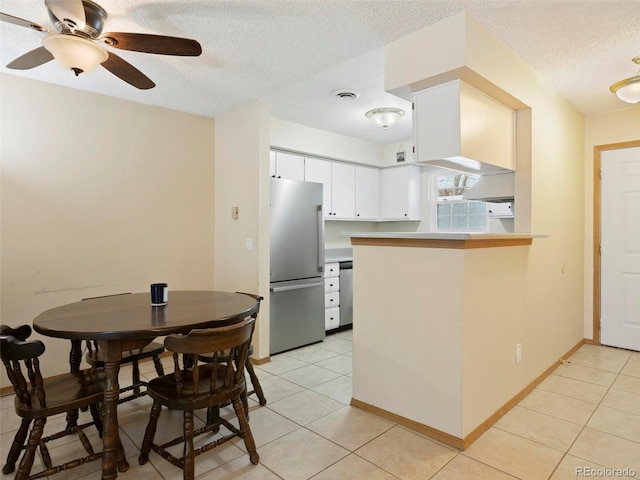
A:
(604, 472)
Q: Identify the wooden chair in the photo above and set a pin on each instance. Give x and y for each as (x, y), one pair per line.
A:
(224, 357)
(202, 386)
(133, 355)
(37, 399)
(21, 333)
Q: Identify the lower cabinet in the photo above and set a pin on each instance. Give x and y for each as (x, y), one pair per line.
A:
(331, 296)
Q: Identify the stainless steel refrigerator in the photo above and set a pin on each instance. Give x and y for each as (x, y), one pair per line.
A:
(297, 264)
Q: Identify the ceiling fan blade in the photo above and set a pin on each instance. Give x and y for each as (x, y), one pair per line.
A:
(31, 59)
(68, 11)
(22, 22)
(127, 72)
(147, 43)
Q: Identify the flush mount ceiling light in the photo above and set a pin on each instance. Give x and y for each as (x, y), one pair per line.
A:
(628, 90)
(385, 117)
(75, 53)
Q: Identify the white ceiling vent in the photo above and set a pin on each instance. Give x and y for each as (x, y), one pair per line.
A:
(346, 94)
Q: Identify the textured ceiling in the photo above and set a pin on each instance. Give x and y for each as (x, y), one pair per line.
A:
(295, 53)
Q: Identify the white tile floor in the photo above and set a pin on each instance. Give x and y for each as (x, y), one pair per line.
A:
(582, 421)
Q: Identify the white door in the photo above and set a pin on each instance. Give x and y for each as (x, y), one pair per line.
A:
(620, 243)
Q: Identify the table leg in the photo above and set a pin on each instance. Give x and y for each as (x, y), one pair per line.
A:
(75, 358)
(112, 351)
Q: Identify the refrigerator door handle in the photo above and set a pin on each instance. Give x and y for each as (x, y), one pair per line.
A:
(320, 239)
(295, 287)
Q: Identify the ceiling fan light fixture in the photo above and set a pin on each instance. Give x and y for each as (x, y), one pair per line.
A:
(75, 53)
(628, 90)
(385, 117)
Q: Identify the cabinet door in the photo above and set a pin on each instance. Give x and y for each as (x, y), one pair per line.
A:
(400, 193)
(343, 202)
(367, 195)
(319, 171)
(289, 166)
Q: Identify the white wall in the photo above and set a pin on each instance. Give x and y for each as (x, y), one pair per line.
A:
(601, 129)
(303, 139)
(99, 196)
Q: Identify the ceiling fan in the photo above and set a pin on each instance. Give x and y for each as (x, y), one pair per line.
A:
(76, 46)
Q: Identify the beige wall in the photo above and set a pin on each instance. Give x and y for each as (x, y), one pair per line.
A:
(99, 196)
(550, 318)
(606, 128)
(242, 180)
(554, 163)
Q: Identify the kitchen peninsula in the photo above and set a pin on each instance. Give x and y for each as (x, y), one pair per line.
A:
(439, 320)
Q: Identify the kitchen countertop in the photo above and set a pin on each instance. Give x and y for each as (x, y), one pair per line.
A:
(442, 240)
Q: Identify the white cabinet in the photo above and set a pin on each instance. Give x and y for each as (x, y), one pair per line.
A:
(367, 193)
(400, 193)
(500, 210)
(338, 181)
(319, 171)
(458, 126)
(355, 192)
(286, 165)
(331, 296)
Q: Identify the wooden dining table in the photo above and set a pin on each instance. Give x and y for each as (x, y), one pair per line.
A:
(122, 322)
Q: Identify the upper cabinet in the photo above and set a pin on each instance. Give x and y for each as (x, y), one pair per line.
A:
(457, 126)
(356, 192)
(400, 193)
(338, 181)
(286, 165)
(367, 193)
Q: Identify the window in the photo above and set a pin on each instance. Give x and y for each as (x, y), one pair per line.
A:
(452, 212)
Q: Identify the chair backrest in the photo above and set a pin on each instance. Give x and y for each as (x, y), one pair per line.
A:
(19, 356)
(21, 333)
(234, 338)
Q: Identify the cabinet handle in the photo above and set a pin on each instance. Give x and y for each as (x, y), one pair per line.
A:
(406, 214)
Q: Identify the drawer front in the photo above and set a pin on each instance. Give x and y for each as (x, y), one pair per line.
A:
(331, 284)
(331, 318)
(331, 299)
(331, 269)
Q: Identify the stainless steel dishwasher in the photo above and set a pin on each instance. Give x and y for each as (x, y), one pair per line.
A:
(346, 293)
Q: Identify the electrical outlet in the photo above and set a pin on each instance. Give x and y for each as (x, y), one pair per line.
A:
(234, 213)
(518, 353)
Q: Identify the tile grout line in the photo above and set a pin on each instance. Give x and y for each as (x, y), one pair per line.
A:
(588, 420)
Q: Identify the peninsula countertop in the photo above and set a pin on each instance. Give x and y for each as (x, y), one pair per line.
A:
(442, 240)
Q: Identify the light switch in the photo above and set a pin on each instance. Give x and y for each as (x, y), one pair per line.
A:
(248, 243)
(234, 213)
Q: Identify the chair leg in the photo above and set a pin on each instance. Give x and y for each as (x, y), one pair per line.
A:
(136, 378)
(97, 418)
(150, 433)
(158, 364)
(16, 446)
(188, 454)
(256, 384)
(245, 432)
(30, 449)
